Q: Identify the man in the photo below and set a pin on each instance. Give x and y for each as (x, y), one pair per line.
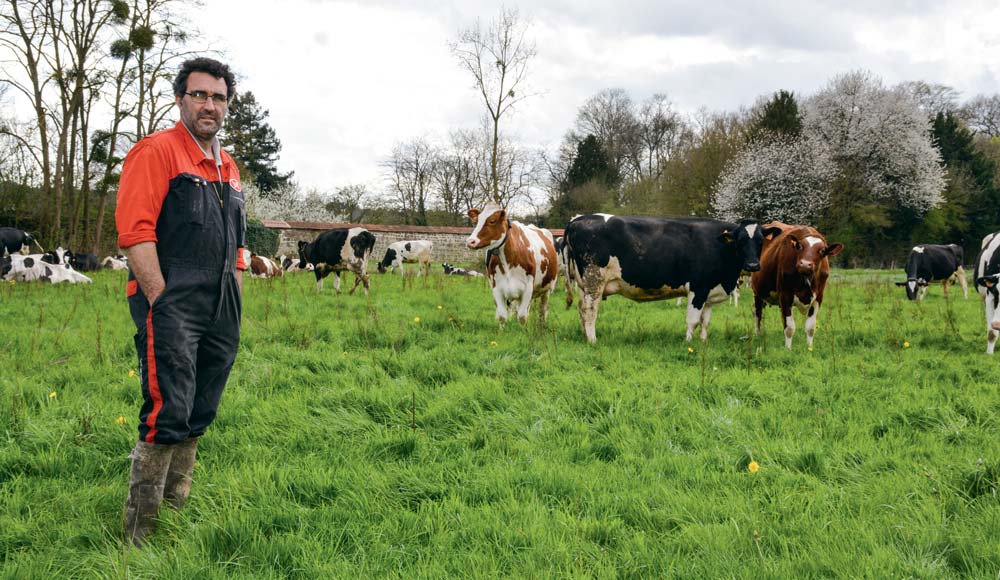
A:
(181, 221)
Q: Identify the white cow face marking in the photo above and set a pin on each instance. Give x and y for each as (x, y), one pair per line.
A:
(918, 249)
(751, 230)
(813, 240)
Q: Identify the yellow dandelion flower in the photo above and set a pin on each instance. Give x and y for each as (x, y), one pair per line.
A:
(690, 349)
(131, 373)
(493, 343)
(52, 395)
(810, 349)
(753, 467)
(906, 344)
(416, 319)
(440, 307)
(120, 420)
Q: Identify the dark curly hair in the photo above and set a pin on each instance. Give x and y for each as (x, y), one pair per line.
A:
(205, 65)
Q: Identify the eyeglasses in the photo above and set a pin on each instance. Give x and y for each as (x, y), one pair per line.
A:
(202, 96)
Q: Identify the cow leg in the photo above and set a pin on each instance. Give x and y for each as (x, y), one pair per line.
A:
(524, 308)
(992, 328)
(364, 281)
(735, 295)
(961, 280)
(501, 302)
(946, 284)
(336, 282)
(706, 316)
(319, 279)
(921, 293)
(811, 324)
(786, 313)
(758, 312)
(357, 280)
(693, 317)
(588, 305)
(543, 303)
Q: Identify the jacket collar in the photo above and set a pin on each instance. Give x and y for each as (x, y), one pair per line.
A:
(195, 151)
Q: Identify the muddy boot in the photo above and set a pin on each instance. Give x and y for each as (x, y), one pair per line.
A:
(150, 462)
(178, 485)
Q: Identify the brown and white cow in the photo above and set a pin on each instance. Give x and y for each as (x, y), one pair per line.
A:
(794, 267)
(263, 267)
(521, 261)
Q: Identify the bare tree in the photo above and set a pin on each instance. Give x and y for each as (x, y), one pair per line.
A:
(456, 180)
(982, 114)
(410, 171)
(932, 98)
(497, 56)
(611, 117)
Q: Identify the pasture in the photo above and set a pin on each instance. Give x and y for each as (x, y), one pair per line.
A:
(406, 436)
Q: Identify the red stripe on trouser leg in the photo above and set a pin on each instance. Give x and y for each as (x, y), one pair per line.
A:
(153, 380)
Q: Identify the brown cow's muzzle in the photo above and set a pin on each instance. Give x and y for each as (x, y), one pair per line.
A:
(806, 268)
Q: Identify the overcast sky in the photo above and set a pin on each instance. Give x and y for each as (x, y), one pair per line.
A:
(345, 81)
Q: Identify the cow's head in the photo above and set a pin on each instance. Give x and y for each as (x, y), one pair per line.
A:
(747, 240)
(390, 257)
(913, 286)
(810, 250)
(490, 229)
(992, 285)
(303, 250)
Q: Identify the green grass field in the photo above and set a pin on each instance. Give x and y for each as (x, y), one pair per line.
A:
(408, 437)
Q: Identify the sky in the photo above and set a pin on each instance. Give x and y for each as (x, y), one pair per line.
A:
(345, 81)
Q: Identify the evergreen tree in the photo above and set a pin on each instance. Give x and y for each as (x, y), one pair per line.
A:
(588, 184)
(777, 117)
(971, 181)
(253, 143)
(590, 164)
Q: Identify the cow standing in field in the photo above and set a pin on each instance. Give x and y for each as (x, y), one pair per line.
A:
(407, 252)
(337, 250)
(563, 256)
(987, 277)
(13, 240)
(929, 263)
(794, 267)
(520, 261)
(645, 259)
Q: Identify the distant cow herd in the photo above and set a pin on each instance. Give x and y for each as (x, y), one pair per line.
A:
(641, 258)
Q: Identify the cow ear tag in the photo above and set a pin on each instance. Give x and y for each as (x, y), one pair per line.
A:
(725, 237)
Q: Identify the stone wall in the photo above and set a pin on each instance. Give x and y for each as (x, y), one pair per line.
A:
(449, 242)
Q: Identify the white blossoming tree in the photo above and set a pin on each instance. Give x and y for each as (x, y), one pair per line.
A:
(880, 140)
(786, 179)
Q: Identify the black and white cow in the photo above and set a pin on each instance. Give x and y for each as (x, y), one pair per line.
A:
(43, 268)
(645, 259)
(337, 250)
(987, 277)
(84, 262)
(13, 240)
(115, 263)
(291, 265)
(929, 263)
(450, 270)
(407, 252)
(563, 255)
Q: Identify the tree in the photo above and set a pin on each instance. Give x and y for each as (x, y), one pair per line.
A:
(982, 114)
(253, 143)
(777, 117)
(411, 169)
(497, 57)
(973, 199)
(610, 116)
(588, 183)
(888, 171)
(784, 179)
(932, 98)
(457, 175)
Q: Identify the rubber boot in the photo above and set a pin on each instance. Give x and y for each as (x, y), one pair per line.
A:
(150, 462)
(178, 484)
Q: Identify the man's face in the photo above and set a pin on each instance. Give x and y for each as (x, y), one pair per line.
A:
(203, 119)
